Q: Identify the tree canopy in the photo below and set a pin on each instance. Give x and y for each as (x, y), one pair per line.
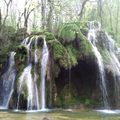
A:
(50, 14)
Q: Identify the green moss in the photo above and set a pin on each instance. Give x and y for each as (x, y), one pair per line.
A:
(24, 91)
(68, 54)
(67, 32)
(21, 54)
(68, 97)
(82, 26)
(49, 36)
(72, 55)
(88, 102)
(59, 53)
(85, 47)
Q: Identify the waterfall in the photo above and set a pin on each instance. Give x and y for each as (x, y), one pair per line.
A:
(36, 77)
(30, 82)
(92, 39)
(27, 80)
(44, 61)
(116, 66)
(8, 79)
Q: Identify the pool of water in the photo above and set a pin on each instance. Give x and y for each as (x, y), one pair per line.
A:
(58, 115)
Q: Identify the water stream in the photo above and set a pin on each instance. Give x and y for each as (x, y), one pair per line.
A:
(44, 61)
(8, 79)
(92, 39)
(27, 81)
(116, 67)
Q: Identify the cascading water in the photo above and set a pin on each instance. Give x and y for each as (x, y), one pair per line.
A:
(92, 39)
(116, 66)
(44, 61)
(26, 80)
(8, 79)
(36, 77)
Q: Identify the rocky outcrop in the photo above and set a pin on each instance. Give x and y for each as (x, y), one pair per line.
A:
(72, 70)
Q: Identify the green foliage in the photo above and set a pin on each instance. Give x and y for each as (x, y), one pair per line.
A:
(21, 54)
(21, 34)
(8, 31)
(67, 32)
(49, 36)
(68, 97)
(68, 54)
(85, 47)
(88, 102)
(60, 54)
(72, 55)
(82, 26)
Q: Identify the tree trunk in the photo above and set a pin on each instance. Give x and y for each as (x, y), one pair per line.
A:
(117, 19)
(100, 11)
(26, 23)
(0, 20)
(111, 27)
(43, 13)
(50, 14)
(7, 10)
(82, 8)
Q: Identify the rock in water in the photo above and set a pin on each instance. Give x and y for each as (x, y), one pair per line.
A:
(45, 118)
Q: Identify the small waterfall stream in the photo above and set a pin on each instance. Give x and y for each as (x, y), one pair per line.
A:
(116, 66)
(26, 79)
(92, 39)
(44, 61)
(30, 81)
(8, 79)
(36, 77)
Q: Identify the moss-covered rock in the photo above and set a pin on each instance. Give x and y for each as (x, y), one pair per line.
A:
(21, 34)
(85, 47)
(67, 32)
(70, 46)
(68, 97)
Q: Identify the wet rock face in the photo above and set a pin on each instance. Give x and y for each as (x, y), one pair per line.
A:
(105, 41)
(110, 86)
(102, 40)
(83, 79)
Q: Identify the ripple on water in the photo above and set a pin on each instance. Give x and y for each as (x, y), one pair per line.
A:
(107, 111)
(31, 111)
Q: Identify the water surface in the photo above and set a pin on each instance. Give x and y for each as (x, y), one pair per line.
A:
(58, 115)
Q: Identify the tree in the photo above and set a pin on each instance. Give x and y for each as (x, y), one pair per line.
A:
(100, 11)
(117, 17)
(27, 12)
(82, 8)
(50, 16)
(0, 19)
(7, 10)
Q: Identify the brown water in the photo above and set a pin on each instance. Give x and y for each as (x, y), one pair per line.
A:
(58, 115)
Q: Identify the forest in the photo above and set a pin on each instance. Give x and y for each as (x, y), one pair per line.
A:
(60, 59)
(35, 15)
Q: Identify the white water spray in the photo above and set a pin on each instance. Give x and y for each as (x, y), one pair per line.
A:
(92, 39)
(8, 82)
(44, 61)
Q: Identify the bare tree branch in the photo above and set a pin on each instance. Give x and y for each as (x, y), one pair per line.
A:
(7, 10)
(82, 8)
